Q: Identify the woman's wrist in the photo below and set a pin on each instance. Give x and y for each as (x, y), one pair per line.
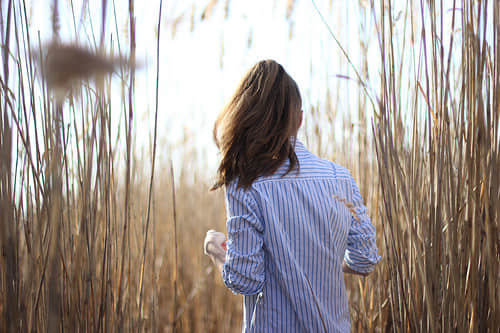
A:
(349, 270)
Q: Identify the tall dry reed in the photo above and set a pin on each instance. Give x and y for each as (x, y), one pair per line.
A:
(86, 231)
(437, 143)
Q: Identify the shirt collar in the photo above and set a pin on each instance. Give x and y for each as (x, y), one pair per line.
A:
(299, 146)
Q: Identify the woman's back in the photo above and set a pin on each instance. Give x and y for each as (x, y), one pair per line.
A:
(289, 234)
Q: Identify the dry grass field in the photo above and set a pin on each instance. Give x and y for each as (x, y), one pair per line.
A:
(96, 236)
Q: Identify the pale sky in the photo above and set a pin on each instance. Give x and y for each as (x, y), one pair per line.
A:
(200, 69)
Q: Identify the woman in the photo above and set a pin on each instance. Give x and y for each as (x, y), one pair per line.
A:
(295, 221)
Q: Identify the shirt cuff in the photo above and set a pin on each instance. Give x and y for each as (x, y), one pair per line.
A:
(361, 263)
(239, 284)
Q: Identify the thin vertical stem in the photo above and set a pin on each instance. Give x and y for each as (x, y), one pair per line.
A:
(152, 162)
(174, 323)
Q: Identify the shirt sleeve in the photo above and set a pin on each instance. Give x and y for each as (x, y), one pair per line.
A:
(243, 270)
(361, 254)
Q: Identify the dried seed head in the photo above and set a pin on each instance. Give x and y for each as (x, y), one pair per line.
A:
(65, 65)
(349, 206)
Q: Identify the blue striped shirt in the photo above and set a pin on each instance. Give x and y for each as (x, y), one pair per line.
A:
(287, 238)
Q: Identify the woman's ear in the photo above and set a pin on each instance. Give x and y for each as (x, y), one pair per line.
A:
(300, 119)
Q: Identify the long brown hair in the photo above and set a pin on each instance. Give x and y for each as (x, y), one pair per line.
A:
(254, 130)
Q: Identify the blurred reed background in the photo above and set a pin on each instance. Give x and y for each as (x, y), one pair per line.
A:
(101, 234)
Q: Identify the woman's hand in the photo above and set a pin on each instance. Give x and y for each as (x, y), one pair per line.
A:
(215, 247)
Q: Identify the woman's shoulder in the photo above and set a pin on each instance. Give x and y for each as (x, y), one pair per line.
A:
(341, 172)
(234, 190)
(311, 162)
